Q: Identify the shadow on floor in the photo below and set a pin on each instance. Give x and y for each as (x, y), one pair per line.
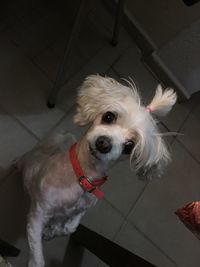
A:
(13, 209)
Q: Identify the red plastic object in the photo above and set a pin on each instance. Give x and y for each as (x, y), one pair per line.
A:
(190, 216)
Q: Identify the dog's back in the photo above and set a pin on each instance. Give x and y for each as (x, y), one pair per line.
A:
(32, 163)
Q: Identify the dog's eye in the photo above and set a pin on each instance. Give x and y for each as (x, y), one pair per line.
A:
(128, 147)
(109, 117)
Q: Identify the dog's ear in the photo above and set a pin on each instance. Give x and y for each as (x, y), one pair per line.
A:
(87, 100)
(162, 102)
(150, 155)
(96, 95)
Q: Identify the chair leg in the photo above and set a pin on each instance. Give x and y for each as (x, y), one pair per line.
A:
(118, 19)
(57, 85)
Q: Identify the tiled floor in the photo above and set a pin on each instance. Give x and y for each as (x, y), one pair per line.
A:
(136, 214)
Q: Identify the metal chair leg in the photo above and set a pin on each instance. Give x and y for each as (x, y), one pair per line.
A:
(57, 85)
(77, 21)
(118, 19)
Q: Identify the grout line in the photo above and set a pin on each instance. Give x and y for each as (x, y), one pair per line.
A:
(11, 170)
(130, 210)
(115, 208)
(20, 46)
(59, 121)
(20, 123)
(143, 234)
(125, 221)
(118, 58)
(187, 117)
(189, 152)
(153, 243)
(41, 69)
(176, 138)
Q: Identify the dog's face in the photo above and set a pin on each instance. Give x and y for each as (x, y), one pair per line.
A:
(120, 127)
(110, 137)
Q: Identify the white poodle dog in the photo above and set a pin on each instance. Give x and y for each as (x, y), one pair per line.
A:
(63, 183)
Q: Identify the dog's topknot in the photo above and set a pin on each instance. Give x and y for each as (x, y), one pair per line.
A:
(163, 101)
(98, 94)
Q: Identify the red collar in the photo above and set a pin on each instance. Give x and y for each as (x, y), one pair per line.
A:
(84, 181)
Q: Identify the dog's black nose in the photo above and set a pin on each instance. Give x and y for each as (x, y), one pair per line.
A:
(103, 144)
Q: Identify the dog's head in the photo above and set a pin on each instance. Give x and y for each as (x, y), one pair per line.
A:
(120, 126)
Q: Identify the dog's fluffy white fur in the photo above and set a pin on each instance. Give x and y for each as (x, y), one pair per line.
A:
(115, 114)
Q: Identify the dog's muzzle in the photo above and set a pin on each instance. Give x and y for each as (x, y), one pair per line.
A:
(103, 144)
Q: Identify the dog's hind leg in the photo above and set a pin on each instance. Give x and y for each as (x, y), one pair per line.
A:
(35, 224)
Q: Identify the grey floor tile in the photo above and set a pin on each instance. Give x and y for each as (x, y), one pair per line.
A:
(54, 251)
(66, 125)
(98, 64)
(60, 45)
(83, 258)
(34, 27)
(130, 65)
(176, 117)
(102, 17)
(24, 90)
(28, 42)
(123, 187)
(14, 141)
(103, 219)
(179, 113)
(51, 27)
(136, 242)
(93, 37)
(90, 260)
(49, 62)
(191, 132)
(22, 259)
(154, 212)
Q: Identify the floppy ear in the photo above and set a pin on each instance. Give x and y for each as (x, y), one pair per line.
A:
(87, 100)
(162, 102)
(98, 94)
(152, 150)
(150, 154)
(153, 166)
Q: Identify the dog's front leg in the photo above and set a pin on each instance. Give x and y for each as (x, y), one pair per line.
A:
(73, 223)
(34, 231)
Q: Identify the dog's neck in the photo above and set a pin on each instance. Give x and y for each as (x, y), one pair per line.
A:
(92, 167)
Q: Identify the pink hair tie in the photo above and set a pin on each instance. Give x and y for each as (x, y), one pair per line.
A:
(149, 109)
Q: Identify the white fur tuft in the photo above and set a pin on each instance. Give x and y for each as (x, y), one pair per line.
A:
(162, 101)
